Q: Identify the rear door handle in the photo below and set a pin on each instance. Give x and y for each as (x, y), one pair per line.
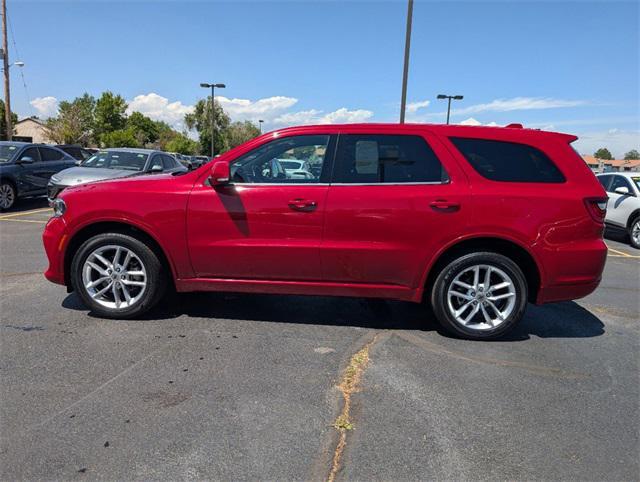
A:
(444, 205)
(302, 205)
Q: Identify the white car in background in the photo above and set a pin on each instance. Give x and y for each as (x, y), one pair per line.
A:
(296, 169)
(623, 207)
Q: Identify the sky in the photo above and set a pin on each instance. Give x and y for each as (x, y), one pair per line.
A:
(569, 66)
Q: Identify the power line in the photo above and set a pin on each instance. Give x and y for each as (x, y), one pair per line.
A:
(24, 82)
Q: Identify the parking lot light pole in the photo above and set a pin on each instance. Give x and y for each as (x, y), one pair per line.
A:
(405, 71)
(260, 121)
(213, 113)
(449, 97)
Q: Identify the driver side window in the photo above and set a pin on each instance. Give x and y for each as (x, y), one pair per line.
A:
(297, 159)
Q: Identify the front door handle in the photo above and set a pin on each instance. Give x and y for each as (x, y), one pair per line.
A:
(444, 205)
(302, 205)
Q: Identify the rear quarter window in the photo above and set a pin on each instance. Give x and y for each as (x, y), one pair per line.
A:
(508, 161)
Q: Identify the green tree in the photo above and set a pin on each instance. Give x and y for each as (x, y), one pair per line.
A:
(182, 144)
(3, 121)
(200, 120)
(120, 138)
(632, 155)
(109, 114)
(240, 132)
(146, 130)
(603, 153)
(74, 123)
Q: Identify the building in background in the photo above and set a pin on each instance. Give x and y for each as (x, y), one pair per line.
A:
(614, 165)
(31, 129)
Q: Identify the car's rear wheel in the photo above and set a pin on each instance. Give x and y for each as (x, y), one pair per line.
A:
(117, 276)
(7, 195)
(479, 296)
(634, 233)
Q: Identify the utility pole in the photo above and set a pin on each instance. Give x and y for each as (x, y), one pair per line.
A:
(5, 69)
(405, 74)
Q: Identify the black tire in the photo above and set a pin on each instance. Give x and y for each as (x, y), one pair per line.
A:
(8, 195)
(445, 279)
(156, 275)
(634, 225)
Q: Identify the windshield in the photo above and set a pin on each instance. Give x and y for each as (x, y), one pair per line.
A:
(636, 181)
(130, 161)
(7, 152)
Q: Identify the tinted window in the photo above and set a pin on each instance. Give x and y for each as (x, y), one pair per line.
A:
(266, 163)
(604, 180)
(508, 161)
(31, 152)
(50, 154)
(168, 162)
(386, 158)
(619, 181)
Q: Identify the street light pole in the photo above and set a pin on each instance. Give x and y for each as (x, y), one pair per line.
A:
(449, 97)
(260, 121)
(5, 64)
(405, 73)
(213, 112)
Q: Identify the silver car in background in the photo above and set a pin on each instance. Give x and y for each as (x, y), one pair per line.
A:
(112, 164)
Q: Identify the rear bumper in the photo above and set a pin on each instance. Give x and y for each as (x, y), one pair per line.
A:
(54, 240)
(575, 271)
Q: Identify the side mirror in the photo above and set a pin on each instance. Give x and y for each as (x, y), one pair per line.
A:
(26, 160)
(622, 190)
(220, 174)
(156, 168)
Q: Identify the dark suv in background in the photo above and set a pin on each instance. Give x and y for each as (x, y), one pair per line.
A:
(25, 169)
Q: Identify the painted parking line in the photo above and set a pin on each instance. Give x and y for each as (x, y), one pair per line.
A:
(621, 254)
(24, 213)
(23, 221)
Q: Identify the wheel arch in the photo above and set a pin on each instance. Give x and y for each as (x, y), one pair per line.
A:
(514, 251)
(632, 217)
(10, 180)
(121, 227)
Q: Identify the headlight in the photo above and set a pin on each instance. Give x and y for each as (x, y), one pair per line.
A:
(59, 207)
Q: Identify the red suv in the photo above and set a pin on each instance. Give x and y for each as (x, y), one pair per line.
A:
(476, 221)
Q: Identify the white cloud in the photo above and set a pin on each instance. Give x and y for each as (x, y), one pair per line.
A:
(45, 106)
(159, 108)
(616, 140)
(413, 107)
(519, 103)
(313, 116)
(245, 109)
(470, 122)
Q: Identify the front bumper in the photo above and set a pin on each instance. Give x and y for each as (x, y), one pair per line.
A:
(54, 238)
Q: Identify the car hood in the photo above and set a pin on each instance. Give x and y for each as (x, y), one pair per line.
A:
(81, 175)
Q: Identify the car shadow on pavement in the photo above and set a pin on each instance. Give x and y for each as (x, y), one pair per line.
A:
(27, 205)
(557, 320)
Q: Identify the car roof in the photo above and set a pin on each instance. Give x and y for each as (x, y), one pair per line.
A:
(132, 150)
(623, 173)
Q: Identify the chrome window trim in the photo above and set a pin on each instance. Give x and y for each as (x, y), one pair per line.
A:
(428, 183)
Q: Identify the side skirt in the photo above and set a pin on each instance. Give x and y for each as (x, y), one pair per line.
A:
(313, 288)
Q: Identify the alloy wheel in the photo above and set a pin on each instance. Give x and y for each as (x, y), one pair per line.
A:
(7, 196)
(114, 276)
(481, 297)
(635, 232)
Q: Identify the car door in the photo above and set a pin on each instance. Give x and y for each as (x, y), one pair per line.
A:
(263, 225)
(620, 206)
(28, 173)
(53, 161)
(394, 201)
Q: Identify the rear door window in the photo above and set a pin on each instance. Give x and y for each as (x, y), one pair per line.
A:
(168, 162)
(48, 154)
(508, 161)
(368, 158)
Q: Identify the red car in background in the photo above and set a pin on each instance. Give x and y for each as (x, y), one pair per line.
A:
(476, 221)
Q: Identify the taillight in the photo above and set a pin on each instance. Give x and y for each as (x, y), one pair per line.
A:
(597, 207)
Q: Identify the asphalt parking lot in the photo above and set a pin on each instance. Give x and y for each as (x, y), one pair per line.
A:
(225, 386)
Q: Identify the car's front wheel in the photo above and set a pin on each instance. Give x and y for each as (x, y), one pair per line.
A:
(479, 296)
(117, 276)
(7, 195)
(634, 233)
